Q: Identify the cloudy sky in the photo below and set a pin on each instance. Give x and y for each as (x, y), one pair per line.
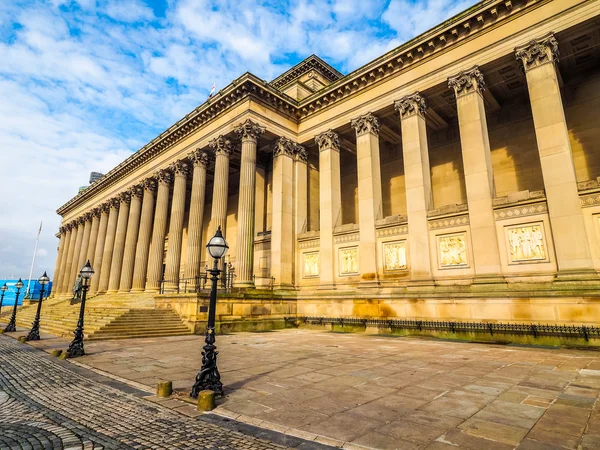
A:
(85, 83)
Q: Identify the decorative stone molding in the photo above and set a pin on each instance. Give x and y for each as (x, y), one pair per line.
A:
(125, 197)
(86, 217)
(521, 211)
(448, 222)
(180, 168)
(115, 202)
(346, 238)
(328, 140)
(366, 123)
(284, 146)
(221, 146)
(410, 105)
(150, 185)
(199, 158)
(79, 221)
(62, 230)
(300, 153)
(310, 244)
(392, 231)
(164, 177)
(537, 52)
(590, 200)
(467, 81)
(249, 131)
(311, 63)
(137, 190)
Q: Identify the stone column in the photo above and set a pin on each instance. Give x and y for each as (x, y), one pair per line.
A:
(100, 244)
(282, 231)
(180, 170)
(539, 58)
(75, 268)
(199, 160)
(370, 207)
(248, 132)
(330, 202)
(300, 198)
(157, 246)
(479, 177)
(62, 243)
(91, 248)
(68, 262)
(223, 149)
(417, 176)
(85, 241)
(109, 245)
(133, 228)
(262, 163)
(119, 245)
(145, 233)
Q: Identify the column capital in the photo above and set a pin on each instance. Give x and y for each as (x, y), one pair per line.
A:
(105, 207)
(199, 158)
(137, 190)
(300, 153)
(125, 197)
(537, 52)
(328, 140)
(467, 81)
(96, 212)
(221, 146)
(367, 123)
(62, 230)
(115, 202)
(164, 177)
(87, 217)
(283, 146)
(409, 105)
(79, 221)
(179, 168)
(149, 184)
(249, 131)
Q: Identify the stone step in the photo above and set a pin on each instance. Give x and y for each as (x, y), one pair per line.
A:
(96, 336)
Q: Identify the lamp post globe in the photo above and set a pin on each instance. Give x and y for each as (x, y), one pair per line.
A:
(34, 333)
(12, 325)
(3, 289)
(76, 345)
(209, 378)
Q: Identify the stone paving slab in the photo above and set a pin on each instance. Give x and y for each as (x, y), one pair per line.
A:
(356, 391)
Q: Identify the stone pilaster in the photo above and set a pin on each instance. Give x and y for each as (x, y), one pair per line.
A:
(133, 228)
(417, 176)
(539, 58)
(109, 245)
(223, 149)
(145, 233)
(370, 207)
(63, 243)
(100, 244)
(330, 202)
(282, 231)
(91, 248)
(157, 246)
(248, 132)
(199, 161)
(479, 177)
(119, 245)
(180, 171)
(85, 241)
(75, 268)
(300, 189)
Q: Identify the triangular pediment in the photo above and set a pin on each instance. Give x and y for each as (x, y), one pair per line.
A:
(306, 77)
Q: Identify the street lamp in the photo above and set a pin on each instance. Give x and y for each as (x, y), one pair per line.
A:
(209, 378)
(34, 333)
(12, 325)
(4, 288)
(76, 346)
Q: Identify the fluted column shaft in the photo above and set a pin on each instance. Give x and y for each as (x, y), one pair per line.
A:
(68, 262)
(157, 247)
(194, 244)
(180, 170)
(62, 243)
(133, 228)
(74, 271)
(85, 240)
(300, 201)
(119, 245)
(145, 233)
(99, 250)
(109, 246)
(91, 248)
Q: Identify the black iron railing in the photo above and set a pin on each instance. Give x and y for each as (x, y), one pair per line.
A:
(586, 332)
(201, 283)
(270, 285)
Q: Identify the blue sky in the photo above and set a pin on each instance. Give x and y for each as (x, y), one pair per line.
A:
(85, 83)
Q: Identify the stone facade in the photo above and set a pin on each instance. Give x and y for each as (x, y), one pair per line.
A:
(455, 177)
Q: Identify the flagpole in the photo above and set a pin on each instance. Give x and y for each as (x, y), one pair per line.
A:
(37, 240)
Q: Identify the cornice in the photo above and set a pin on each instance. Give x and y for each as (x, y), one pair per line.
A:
(310, 63)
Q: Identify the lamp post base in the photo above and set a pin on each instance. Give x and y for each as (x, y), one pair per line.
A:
(34, 333)
(209, 378)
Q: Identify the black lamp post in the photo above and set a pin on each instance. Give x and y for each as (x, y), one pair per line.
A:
(4, 288)
(76, 346)
(209, 377)
(12, 325)
(34, 333)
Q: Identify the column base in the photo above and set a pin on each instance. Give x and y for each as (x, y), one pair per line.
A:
(137, 290)
(112, 291)
(284, 287)
(152, 291)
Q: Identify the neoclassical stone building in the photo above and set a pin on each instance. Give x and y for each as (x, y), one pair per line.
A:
(455, 177)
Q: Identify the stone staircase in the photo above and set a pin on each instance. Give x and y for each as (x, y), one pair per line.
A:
(105, 318)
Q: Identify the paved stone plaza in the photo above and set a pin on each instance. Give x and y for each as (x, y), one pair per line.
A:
(356, 391)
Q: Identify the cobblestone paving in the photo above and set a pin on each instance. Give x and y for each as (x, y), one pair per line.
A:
(44, 405)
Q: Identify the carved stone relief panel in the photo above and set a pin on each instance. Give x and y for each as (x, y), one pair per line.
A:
(348, 260)
(452, 250)
(310, 264)
(394, 254)
(526, 243)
